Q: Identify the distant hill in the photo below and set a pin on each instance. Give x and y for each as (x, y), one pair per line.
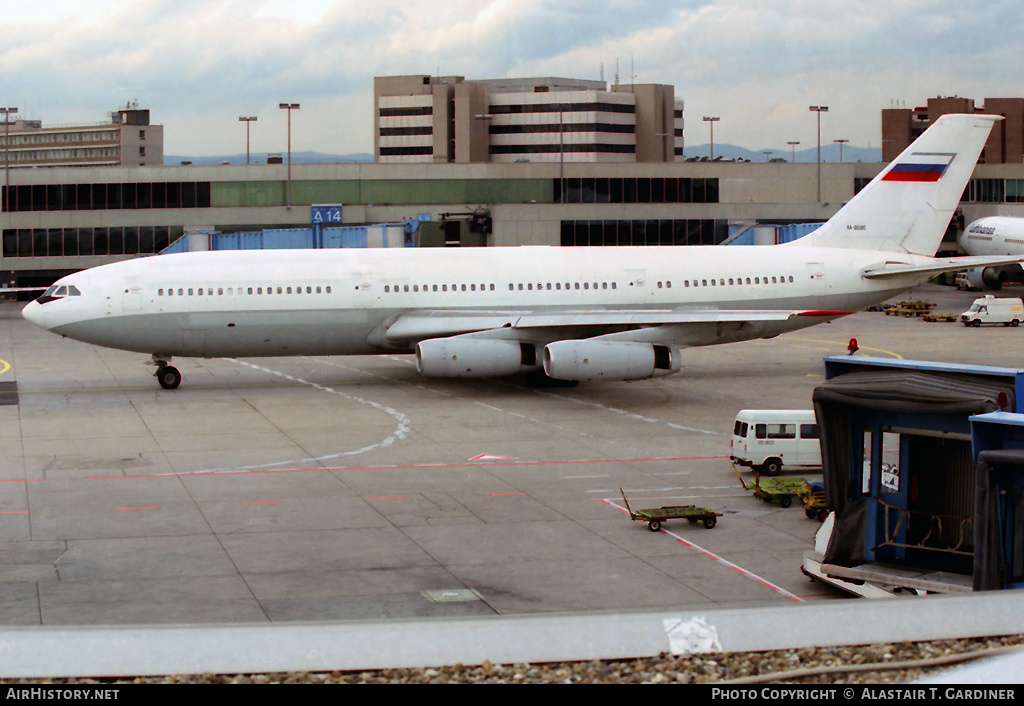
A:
(829, 153)
(261, 158)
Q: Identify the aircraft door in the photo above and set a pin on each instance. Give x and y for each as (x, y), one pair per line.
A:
(817, 272)
(132, 298)
(363, 288)
(636, 281)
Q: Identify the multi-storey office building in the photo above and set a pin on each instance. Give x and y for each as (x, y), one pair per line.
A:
(127, 140)
(447, 119)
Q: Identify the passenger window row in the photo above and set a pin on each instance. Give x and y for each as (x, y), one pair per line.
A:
(436, 288)
(732, 281)
(557, 286)
(232, 291)
(521, 286)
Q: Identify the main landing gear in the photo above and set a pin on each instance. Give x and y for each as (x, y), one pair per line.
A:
(168, 376)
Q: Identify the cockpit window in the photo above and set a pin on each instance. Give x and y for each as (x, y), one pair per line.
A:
(59, 291)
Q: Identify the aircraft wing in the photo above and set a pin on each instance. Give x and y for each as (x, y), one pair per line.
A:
(420, 325)
(942, 264)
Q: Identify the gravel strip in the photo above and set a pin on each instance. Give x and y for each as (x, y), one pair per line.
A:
(886, 663)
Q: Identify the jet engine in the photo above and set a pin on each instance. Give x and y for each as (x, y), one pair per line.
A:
(474, 357)
(987, 277)
(608, 360)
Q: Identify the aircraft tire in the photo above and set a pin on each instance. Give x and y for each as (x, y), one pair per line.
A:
(169, 377)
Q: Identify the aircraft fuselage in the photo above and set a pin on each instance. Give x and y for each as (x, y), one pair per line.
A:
(336, 302)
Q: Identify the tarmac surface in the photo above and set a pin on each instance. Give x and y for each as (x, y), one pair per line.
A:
(323, 489)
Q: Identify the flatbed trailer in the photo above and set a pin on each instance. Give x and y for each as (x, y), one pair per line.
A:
(768, 489)
(941, 317)
(655, 516)
(908, 308)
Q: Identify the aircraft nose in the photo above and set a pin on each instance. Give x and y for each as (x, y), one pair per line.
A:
(34, 313)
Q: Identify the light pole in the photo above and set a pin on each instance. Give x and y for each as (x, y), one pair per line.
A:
(819, 109)
(767, 155)
(289, 107)
(841, 143)
(711, 124)
(247, 121)
(792, 146)
(7, 148)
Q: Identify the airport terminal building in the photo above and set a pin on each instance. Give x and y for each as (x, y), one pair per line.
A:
(508, 187)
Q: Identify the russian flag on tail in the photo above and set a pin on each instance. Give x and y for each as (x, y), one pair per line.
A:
(920, 167)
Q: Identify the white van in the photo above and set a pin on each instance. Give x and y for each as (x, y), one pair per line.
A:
(1008, 311)
(768, 439)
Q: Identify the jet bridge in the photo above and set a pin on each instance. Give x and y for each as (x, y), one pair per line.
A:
(899, 467)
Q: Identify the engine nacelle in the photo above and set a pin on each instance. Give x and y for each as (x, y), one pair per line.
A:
(608, 360)
(474, 357)
(987, 277)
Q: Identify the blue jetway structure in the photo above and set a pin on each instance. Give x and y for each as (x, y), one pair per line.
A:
(380, 235)
(900, 444)
(768, 233)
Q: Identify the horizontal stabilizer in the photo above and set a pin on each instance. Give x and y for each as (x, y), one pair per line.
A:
(940, 265)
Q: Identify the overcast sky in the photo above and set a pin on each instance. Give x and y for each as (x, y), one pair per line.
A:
(757, 64)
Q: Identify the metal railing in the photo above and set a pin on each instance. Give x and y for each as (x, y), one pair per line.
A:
(947, 534)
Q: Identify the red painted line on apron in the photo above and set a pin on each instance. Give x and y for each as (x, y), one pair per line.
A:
(711, 555)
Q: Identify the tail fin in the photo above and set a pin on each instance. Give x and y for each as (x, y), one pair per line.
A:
(907, 207)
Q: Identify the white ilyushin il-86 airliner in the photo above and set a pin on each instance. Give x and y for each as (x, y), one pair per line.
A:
(564, 314)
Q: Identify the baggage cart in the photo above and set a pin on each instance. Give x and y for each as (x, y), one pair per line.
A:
(654, 517)
(768, 489)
